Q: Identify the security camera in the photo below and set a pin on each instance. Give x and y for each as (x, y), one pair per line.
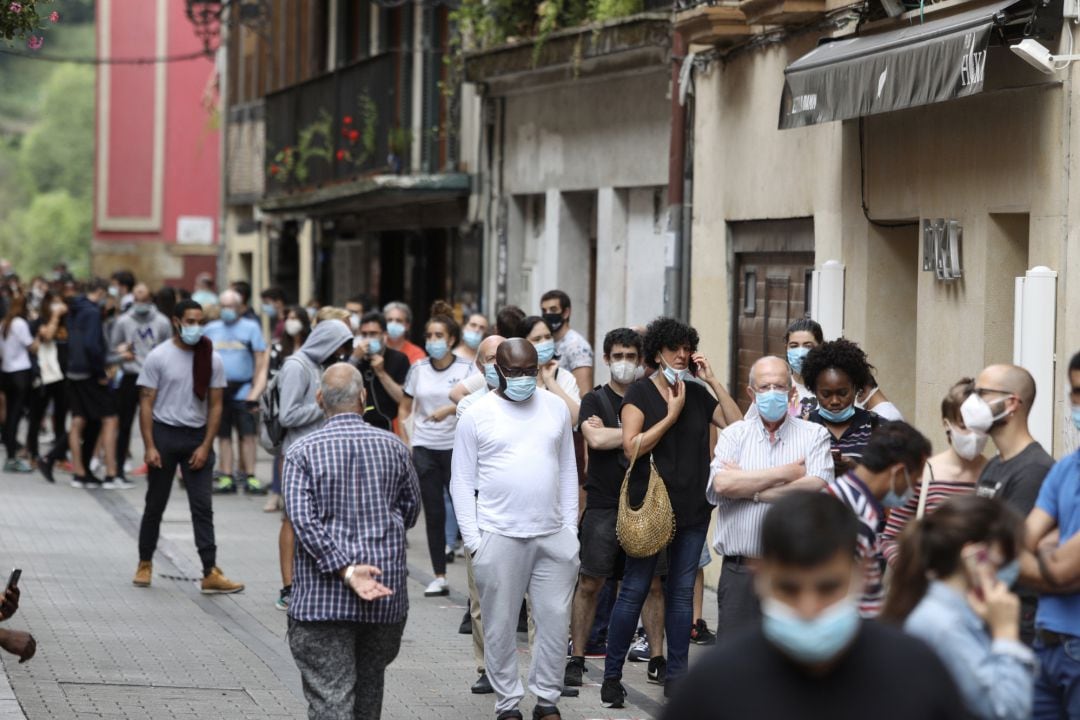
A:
(1037, 56)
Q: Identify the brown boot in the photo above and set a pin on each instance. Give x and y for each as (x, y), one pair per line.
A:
(144, 573)
(217, 584)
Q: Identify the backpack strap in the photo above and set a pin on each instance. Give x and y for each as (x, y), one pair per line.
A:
(611, 418)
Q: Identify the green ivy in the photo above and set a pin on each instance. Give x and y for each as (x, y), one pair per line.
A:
(24, 18)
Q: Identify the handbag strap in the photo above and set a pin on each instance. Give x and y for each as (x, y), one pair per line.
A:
(633, 458)
(924, 491)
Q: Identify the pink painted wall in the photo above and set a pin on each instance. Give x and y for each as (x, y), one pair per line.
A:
(191, 159)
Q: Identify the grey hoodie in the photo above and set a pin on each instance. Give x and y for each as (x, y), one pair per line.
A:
(300, 376)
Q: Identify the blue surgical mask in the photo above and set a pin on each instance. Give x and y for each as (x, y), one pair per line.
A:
(1009, 573)
(395, 329)
(1076, 416)
(673, 376)
(491, 375)
(269, 310)
(892, 500)
(810, 641)
(545, 351)
(795, 357)
(228, 315)
(837, 417)
(191, 334)
(472, 338)
(437, 349)
(374, 346)
(771, 405)
(520, 388)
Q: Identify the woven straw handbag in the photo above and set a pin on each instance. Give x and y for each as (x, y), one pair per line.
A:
(647, 529)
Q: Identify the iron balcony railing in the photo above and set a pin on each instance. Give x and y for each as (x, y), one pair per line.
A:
(337, 127)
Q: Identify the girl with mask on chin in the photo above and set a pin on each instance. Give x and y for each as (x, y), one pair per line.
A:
(536, 330)
(834, 372)
(954, 471)
(950, 588)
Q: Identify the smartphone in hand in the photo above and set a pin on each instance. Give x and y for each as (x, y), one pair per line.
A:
(13, 579)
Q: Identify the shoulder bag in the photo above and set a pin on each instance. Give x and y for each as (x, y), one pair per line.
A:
(646, 530)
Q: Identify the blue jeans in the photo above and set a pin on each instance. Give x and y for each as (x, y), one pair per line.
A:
(451, 520)
(1057, 686)
(684, 552)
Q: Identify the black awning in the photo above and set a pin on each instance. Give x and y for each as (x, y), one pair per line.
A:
(916, 65)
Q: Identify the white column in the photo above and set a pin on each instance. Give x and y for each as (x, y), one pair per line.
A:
(418, 87)
(612, 267)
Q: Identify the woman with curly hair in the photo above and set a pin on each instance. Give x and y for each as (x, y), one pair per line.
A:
(835, 372)
(669, 415)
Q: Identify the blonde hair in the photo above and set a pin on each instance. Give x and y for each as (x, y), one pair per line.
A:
(329, 312)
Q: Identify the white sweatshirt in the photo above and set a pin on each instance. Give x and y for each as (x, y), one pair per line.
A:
(514, 471)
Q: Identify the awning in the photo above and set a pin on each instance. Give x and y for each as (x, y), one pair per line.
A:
(917, 65)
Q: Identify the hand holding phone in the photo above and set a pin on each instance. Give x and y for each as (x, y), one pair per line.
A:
(13, 579)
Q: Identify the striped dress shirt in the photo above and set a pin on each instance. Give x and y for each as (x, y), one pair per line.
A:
(747, 444)
(351, 492)
(852, 491)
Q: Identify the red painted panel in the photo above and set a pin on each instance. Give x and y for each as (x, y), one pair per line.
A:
(131, 109)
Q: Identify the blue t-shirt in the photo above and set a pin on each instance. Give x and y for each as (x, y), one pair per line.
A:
(237, 344)
(1060, 499)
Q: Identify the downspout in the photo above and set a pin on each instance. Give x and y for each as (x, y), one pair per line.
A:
(676, 241)
(221, 62)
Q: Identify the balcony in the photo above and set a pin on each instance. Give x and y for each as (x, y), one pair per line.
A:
(336, 129)
(782, 12)
(246, 137)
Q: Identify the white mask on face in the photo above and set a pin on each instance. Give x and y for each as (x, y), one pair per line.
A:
(967, 443)
(624, 371)
(978, 415)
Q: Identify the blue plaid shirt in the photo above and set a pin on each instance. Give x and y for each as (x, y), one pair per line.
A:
(351, 492)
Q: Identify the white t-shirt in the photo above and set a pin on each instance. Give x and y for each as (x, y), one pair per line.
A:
(568, 383)
(14, 346)
(468, 401)
(474, 383)
(168, 369)
(430, 389)
(887, 411)
(514, 471)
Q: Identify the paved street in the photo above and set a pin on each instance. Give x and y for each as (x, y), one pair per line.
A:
(108, 649)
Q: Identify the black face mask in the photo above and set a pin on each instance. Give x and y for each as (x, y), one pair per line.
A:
(554, 321)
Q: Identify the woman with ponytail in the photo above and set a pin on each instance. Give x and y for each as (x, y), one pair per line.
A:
(950, 588)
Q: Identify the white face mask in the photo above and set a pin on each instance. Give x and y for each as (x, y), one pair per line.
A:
(978, 415)
(861, 404)
(967, 444)
(293, 327)
(624, 371)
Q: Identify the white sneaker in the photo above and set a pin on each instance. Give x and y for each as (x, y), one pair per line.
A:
(437, 588)
(118, 483)
(95, 466)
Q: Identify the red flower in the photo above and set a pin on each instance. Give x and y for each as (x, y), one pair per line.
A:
(340, 155)
(54, 17)
(15, 7)
(347, 119)
(34, 42)
(353, 136)
(275, 169)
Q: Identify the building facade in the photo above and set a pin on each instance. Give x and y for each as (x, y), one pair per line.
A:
(157, 190)
(988, 176)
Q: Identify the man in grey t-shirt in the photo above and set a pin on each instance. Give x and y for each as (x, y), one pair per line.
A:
(181, 387)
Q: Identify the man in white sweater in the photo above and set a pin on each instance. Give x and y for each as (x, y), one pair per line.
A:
(515, 492)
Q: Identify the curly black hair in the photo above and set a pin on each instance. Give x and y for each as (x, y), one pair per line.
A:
(842, 355)
(667, 333)
(622, 336)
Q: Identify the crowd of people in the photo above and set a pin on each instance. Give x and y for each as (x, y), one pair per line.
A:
(855, 561)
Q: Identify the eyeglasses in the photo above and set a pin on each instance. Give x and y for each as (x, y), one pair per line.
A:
(982, 391)
(519, 372)
(772, 388)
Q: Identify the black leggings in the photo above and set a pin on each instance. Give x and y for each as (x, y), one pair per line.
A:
(433, 467)
(39, 404)
(16, 393)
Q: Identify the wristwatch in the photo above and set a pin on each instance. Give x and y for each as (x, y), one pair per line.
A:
(349, 573)
(757, 497)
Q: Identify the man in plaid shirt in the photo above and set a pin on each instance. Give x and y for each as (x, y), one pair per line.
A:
(351, 492)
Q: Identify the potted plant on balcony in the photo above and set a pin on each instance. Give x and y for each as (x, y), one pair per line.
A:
(399, 142)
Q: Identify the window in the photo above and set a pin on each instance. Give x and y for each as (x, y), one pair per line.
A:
(750, 292)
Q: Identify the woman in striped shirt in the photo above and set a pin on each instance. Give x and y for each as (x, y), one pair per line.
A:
(952, 472)
(835, 371)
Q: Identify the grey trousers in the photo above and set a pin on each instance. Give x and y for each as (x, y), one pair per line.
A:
(342, 666)
(474, 612)
(737, 604)
(505, 569)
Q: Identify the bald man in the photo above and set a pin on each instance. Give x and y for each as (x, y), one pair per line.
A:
(757, 461)
(515, 490)
(999, 406)
(485, 363)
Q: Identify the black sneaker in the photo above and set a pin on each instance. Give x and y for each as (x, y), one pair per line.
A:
(509, 715)
(612, 693)
(466, 624)
(88, 482)
(45, 467)
(523, 620)
(575, 668)
(701, 635)
(482, 686)
(545, 711)
(657, 670)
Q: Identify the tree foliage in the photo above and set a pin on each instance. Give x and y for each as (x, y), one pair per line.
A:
(54, 227)
(58, 152)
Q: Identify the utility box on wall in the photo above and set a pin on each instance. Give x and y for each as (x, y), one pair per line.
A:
(827, 298)
(1034, 333)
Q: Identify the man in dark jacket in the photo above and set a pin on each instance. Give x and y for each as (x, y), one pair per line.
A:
(89, 394)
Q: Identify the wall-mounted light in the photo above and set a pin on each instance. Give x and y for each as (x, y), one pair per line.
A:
(1039, 57)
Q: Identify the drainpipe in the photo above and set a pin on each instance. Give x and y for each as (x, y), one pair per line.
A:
(676, 242)
(221, 63)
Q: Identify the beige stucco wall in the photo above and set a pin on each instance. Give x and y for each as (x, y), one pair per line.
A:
(999, 162)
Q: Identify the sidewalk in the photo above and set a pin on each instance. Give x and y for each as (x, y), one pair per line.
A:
(109, 649)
